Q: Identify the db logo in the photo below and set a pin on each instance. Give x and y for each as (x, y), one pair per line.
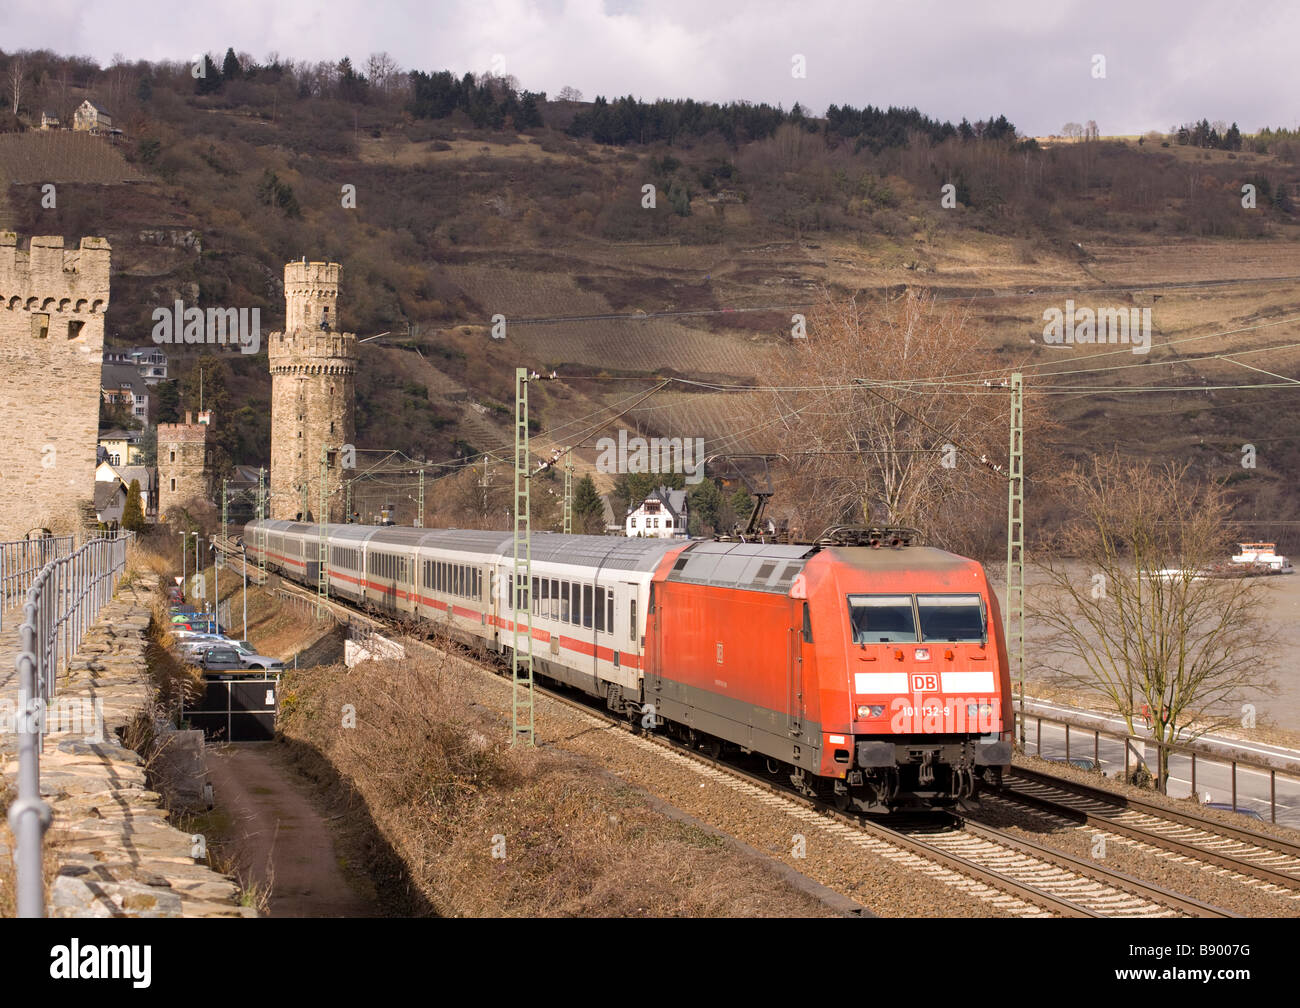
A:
(927, 683)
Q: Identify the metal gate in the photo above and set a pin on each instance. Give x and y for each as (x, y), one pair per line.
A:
(236, 709)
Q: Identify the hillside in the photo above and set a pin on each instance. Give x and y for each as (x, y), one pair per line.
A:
(465, 216)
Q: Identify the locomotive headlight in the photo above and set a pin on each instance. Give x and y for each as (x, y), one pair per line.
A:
(979, 710)
(870, 711)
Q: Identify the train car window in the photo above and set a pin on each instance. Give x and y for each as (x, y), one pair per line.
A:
(950, 617)
(609, 609)
(877, 619)
(631, 625)
(537, 597)
(807, 625)
(555, 599)
(564, 602)
(586, 606)
(544, 599)
(600, 608)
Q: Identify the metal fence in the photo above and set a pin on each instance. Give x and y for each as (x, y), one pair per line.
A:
(21, 561)
(63, 600)
(1088, 746)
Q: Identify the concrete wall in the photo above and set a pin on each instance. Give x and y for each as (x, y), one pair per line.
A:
(52, 303)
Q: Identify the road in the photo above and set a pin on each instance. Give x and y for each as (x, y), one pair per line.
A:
(1213, 773)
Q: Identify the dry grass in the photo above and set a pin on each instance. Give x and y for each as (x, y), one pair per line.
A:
(8, 873)
(486, 830)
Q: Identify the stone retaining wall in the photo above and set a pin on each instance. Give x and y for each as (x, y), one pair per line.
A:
(117, 854)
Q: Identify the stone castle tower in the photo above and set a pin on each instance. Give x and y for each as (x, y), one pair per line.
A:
(52, 303)
(183, 464)
(313, 393)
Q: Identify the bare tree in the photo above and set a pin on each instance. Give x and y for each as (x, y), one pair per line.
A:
(568, 93)
(381, 68)
(17, 71)
(873, 432)
(1129, 613)
(1072, 131)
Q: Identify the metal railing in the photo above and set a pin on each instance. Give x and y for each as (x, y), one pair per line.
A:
(21, 561)
(63, 601)
(1135, 748)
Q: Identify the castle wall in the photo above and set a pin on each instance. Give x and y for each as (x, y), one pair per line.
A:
(313, 393)
(52, 303)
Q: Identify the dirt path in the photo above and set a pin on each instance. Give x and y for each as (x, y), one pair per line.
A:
(276, 823)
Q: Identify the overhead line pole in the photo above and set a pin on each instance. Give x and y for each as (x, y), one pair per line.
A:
(1015, 615)
(521, 582)
(568, 492)
(322, 540)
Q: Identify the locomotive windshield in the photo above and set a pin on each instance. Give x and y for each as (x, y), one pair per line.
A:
(951, 618)
(882, 619)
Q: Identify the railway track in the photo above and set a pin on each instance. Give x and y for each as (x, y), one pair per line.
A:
(1013, 873)
(1249, 856)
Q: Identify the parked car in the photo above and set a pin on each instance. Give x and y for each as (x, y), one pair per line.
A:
(189, 648)
(1226, 807)
(220, 658)
(226, 658)
(258, 661)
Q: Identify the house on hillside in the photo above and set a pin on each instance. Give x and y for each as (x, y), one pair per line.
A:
(50, 122)
(110, 502)
(150, 362)
(122, 383)
(92, 118)
(120, 447)
(662, 515)
(146, 476)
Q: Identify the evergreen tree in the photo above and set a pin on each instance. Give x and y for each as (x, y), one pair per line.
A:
(211, 80)
(230, 68)
(133, 515)
(705, 501)
(588, 508)
(168, 395)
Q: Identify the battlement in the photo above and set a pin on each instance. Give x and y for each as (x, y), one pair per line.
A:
(306, 350)
(301, 273)
(47, 275)
(189, 431)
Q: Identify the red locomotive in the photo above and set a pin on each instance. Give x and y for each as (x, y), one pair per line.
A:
(874, 674)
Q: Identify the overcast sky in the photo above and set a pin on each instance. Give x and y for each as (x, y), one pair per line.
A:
(1032, 60)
